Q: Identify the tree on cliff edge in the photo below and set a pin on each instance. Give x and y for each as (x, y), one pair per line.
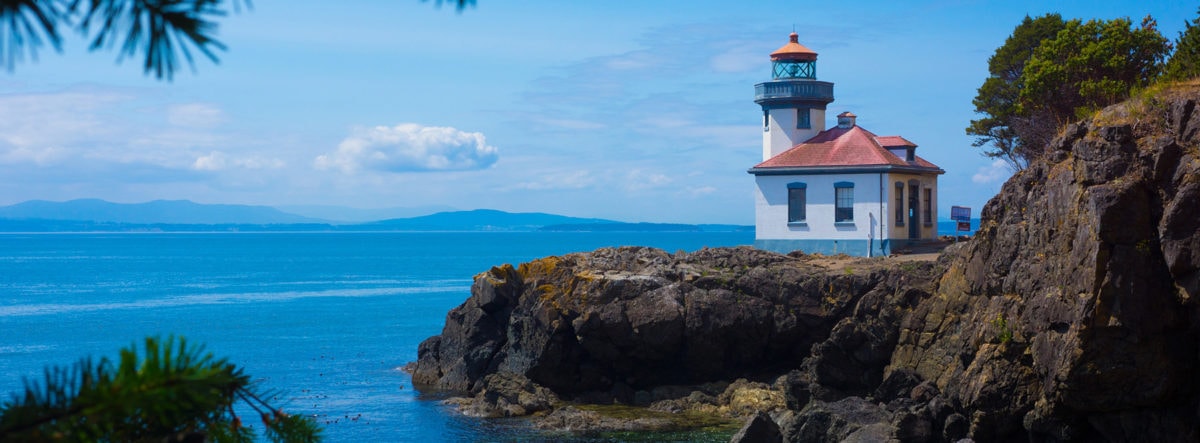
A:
(1074, 67)
(1185, 62)
(998, 99)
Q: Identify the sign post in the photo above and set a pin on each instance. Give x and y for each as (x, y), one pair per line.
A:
(962, 215)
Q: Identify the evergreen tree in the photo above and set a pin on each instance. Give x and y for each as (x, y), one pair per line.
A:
(1185, 62)
(174, 392)
(998, 98)
(1050, 72)
(1091, 65)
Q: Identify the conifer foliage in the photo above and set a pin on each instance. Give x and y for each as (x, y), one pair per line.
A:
(161, 30)
(1051, 71)
(1185, 62)
(171, 392)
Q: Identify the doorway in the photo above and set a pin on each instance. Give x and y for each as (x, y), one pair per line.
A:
(914, 209)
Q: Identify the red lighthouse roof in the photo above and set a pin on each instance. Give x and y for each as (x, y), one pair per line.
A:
(794, 51)
(846, 146)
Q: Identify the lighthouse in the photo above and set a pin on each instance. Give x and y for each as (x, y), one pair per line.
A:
(793, 102)
(841, 190)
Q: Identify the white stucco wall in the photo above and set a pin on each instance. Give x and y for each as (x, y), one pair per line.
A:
(771, 206)
(782, 134)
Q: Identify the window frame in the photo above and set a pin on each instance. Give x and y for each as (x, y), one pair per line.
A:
(803, 118)
(843, 202)
(797, 189)
(899, 212)
(927, 210)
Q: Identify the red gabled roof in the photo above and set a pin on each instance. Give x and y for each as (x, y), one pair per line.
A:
(894, 141)
(842, 147)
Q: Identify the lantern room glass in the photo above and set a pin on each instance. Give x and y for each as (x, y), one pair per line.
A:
(784, 69)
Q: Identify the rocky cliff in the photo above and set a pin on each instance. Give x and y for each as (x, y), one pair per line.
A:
(616, 321)
(1071, 316)
(1073, 313)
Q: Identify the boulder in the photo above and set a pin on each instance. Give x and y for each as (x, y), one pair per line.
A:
(759, 429)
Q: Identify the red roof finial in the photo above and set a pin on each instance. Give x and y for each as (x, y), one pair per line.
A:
(794, 37)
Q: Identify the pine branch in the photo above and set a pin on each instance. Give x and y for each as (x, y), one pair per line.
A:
(172, 392)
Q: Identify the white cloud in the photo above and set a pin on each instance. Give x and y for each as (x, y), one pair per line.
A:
(631, 61)
(43, 127)
(557, 181)
(410, 147)
(996, 172)
(565, 123)
(743, 58)
(217, 161)
(195, 115)
(700, 191)
(638, 180)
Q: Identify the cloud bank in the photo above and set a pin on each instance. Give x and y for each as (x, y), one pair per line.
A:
(410, 147)
(996, 172)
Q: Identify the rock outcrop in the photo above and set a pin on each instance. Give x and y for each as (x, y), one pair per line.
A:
(1073, 313)
(1071, 316)
(607, 324)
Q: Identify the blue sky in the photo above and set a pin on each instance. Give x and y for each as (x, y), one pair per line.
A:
(636, 111)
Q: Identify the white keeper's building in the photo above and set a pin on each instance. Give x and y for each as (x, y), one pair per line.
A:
(837, 190)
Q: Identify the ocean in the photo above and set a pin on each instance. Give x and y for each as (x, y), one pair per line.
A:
(323, 320)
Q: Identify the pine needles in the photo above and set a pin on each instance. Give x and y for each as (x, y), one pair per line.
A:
(172, 392)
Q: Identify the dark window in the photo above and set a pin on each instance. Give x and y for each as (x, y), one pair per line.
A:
(843, 201)
(899, 204)
(928, 208)
(766, 120)
(802, 119)
(797, 199)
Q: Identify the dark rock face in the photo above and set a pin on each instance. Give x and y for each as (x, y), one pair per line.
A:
(618, 321)
(1072, 316)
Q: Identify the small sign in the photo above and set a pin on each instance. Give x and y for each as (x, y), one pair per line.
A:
(964, 226)
(961, 214)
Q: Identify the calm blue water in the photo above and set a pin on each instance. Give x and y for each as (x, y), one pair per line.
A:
(325, 318)
(947, 227)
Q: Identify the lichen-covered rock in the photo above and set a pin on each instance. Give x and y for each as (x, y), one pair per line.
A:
(506, 395)
(621, 320)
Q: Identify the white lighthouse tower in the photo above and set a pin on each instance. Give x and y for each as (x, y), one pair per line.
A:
(793, 102)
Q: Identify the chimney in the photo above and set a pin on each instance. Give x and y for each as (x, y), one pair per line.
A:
(846, 120)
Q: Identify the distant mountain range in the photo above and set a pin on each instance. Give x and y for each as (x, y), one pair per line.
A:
(342, 214)
(88, 215)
